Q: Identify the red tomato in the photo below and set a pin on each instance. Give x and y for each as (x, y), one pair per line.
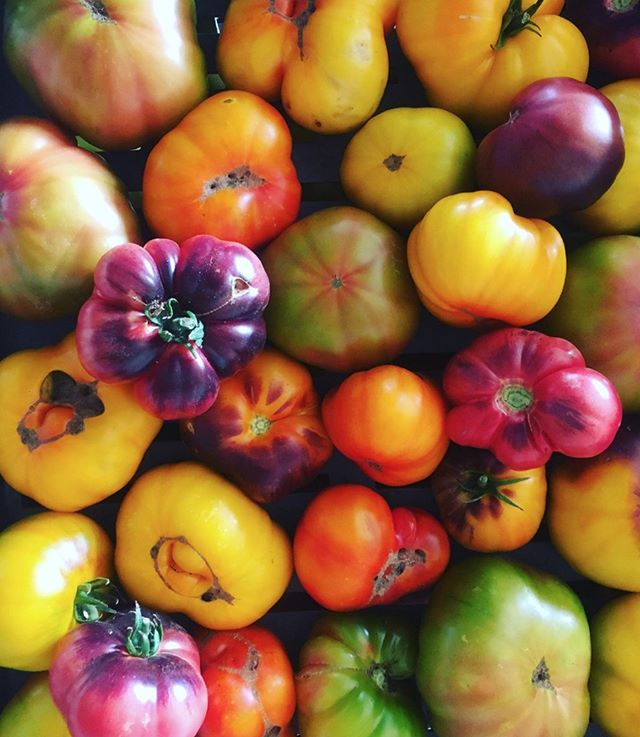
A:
(352, 551)
(250, 683)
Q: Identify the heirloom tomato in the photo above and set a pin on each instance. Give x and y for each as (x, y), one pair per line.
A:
(32, 713)
(264, 431)
(249, 680)
(486, 506)
(43, 560)
(390, 421)
(618, 210)
(504, 650)
(352, 676)
(473, 260)
(189, 541)
(598, 311)
(61, 209)
(474, 56)
(173, 320)
(523, 395)
(341, 294)
(224, 170)
(118, 72)
(327, 60)
(351, 550)
(615, 669)
(593, 511)
(137, 673)
(54, 417)
(402, 161)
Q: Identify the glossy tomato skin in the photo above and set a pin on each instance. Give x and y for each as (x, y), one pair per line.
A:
(156, 71)
(514, 268)
(523, 395)
(351, 674)
(32, 713)
(493, 627)
(351, 550)
(561, 148)
(224, 170)
(342, 297)
(249, 679)
(469, 67)
(383, 397)
(484, 505)
(61, 209)
(264, 431)
(100, 687)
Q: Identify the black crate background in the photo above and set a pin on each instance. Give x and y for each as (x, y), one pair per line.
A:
(317, 160)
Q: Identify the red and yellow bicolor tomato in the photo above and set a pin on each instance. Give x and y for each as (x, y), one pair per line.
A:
(43, 560)
(474, 56)
(327, 60)
(66, 440)
(32, 713)
(593, 511)
(224, 170)
(402, 161)
(618, 210)
(472, 260)
(189, 541)
(360, 411)
(615, 666)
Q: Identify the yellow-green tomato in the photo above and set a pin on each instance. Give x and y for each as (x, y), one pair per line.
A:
(402, 161)
(32, 713)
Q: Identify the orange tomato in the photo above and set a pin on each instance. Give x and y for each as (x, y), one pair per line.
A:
(390, 421)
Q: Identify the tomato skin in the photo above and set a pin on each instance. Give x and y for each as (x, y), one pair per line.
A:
(32, 713)
(494, 627)
(465, 486)
(453, 46)
(514, 267)
(102, 688)
(376, 399)
(239, 184)
(43, 559)
(264, 430)
(250, 684)
(352, 551)
(615, 675)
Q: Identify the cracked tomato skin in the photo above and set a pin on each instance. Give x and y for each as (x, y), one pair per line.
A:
(523, 395)
(249, 679)
(351, 550)
(327, 61)
(226, 170)
(174, 320)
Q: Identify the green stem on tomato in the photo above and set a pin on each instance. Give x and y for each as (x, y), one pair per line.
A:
(94, 599)
(144, 638)
(517, 19)
(479, 484)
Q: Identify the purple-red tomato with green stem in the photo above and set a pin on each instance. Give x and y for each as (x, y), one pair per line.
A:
(137, 673)
(612, 31)
(174, 320)
(559, 151)
(523, 395)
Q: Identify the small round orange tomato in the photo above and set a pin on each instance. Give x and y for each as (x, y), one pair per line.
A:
(250, 683)
(390, 421)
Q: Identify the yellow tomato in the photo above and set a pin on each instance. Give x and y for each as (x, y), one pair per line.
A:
(473, 260)
(189, 541)
(618, 210)
(32, 713)
(43, 560)
(615, 670)
(474, 56)
(66, 440)
(402, 161)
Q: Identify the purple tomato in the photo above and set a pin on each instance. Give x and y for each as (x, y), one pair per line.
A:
(560, 150)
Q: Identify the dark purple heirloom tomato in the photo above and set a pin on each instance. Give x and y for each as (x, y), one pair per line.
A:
(560, 150)
(134, 675)
(612, 30)
(173, 319)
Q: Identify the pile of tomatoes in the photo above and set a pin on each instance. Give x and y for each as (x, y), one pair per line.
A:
(232, 394)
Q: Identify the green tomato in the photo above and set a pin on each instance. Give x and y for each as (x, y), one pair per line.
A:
(32, 713)
(504, 651)
(350, 679)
